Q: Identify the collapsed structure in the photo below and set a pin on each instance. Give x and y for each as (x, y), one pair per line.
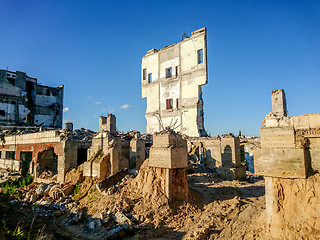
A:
(53, 150)
(110, 152)
(25, 102)
(221, 153)
(289, 158)
(171, 81)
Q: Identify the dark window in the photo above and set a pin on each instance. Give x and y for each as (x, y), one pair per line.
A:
(169, 103)
(2, 113)
(12, 81)
(176, 70)
(200, 56)
(149, 77)
(10, 154)
(169, 72)
(177, 103)
(144, 74)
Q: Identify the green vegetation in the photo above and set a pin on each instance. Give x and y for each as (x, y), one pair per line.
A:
(19, 233)
(9, 188)
(16, 234)
(185, 35)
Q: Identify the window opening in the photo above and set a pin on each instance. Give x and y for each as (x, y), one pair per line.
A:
(12, 81)
(169, 72)
(144, 74)
(200, 56)
(169, 103)
(149, 77)
(176, 71)
(177, 103)
(2, 113)
(10, 154)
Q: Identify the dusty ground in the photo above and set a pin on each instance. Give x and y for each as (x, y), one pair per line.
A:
(217, 210)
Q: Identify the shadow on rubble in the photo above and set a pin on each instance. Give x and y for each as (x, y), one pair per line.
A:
(208, 189)
(151, 232)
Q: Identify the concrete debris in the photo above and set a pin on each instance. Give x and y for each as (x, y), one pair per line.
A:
(83, 135)
(111, 181)
(121, 218)
(7, 176)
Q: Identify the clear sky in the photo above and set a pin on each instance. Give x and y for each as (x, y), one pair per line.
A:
(94, 48)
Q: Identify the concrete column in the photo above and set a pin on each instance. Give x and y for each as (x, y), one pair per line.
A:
(279, 102)
(269, 199)
(168, 184)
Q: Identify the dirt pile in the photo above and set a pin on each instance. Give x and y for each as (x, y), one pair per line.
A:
(137, 208)
(219, 209)
(295, 209)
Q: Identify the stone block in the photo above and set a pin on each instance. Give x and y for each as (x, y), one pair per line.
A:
(168, 151)
(301, 121)
(314, 120)
(168, 157)
(284, 163)
(277, 137)
(271, 122)
(167, 140)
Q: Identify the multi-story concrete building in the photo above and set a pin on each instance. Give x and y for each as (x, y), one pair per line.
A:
(24, 102)
(171, 80)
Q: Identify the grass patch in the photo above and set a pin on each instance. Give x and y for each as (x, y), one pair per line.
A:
(10, 188)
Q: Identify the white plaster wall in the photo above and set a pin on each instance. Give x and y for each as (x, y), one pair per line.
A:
(152, 95)
(189, 119)
(150, 62)
(171, 90)
(172, 120)
(184, 87)
(190, 88)
(166, 64)
(189, 54)
(152, 124)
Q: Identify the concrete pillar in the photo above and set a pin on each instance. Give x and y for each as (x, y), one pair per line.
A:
(111, 123)
(169, 183)
(69, 126)
(102, 124)
(269, 198)
(279, 103)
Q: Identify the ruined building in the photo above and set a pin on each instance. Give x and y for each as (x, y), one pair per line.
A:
(171, 80)
(289, 158)
(221, 153)
(52, 151)
(110, 152)
(24, 102)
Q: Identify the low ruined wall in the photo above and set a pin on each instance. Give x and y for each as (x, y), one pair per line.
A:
(9, 163)
(293, 207)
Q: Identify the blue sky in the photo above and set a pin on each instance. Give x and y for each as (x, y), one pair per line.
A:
(94, 48)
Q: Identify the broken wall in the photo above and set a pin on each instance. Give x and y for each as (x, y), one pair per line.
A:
(289, 159)
(65, 149)
(24, 102)
(171, 82)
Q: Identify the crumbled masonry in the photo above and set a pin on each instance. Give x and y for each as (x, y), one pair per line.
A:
(289, 158)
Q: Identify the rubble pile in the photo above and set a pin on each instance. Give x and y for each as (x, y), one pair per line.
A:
(8, 176)
(83, 135)
(18, 131)
(133, 204)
